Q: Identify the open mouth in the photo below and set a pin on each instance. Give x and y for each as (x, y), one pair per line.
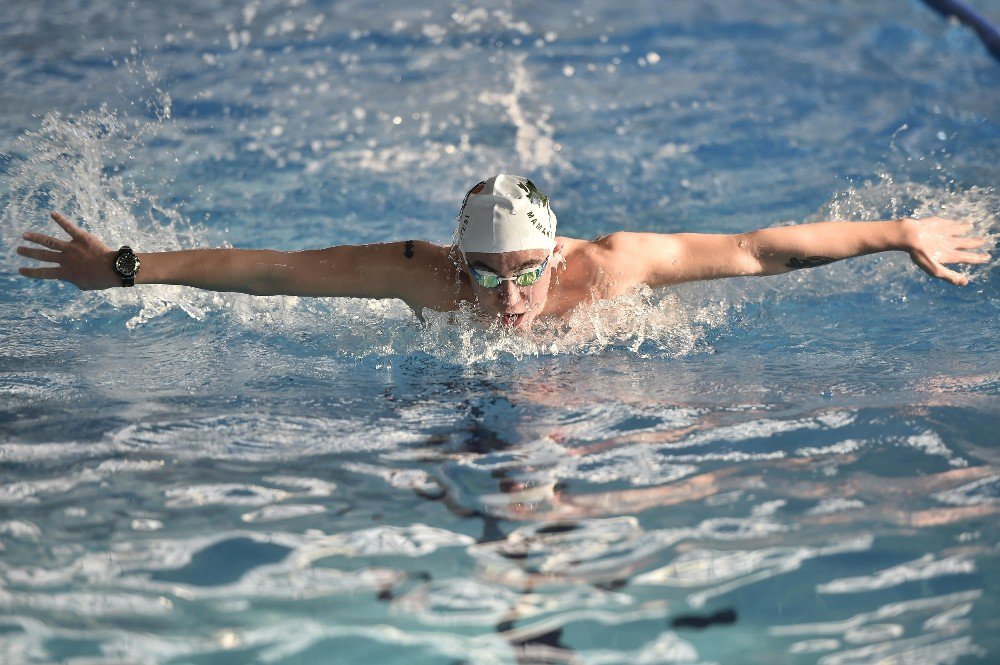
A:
(511, 320)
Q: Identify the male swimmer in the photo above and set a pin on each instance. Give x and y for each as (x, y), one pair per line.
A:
(506, 259)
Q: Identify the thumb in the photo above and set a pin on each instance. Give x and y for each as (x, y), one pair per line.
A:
(936, 269)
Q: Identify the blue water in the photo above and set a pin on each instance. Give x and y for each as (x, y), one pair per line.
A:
(795, 469)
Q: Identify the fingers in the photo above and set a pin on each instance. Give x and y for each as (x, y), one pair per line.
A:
(46, 241)
(40, 254)
(69, 227)
(967, 257)
(969, 243)
(41, 273)
(957, 256)
(945, 226)
(74, 231)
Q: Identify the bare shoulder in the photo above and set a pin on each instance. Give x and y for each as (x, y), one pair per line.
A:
(617, 254)
(596, 269)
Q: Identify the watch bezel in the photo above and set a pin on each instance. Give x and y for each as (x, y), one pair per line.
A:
(127, 265)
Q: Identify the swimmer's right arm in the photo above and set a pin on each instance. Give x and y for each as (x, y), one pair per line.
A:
(360, 271)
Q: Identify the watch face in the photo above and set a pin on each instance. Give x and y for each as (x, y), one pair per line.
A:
(125, 265)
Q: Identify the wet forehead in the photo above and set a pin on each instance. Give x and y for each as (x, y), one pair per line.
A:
(507, 263)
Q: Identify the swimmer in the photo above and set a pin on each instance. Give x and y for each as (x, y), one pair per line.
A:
(506, 259)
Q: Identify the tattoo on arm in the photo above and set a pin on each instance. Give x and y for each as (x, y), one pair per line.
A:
(408, 249)
(808, 262)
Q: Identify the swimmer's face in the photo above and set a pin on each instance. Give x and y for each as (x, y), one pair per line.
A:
(515, 306)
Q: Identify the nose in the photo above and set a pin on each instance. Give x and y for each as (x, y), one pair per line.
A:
(510, 294)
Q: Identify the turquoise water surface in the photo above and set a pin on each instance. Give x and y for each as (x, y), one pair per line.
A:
(794, 469)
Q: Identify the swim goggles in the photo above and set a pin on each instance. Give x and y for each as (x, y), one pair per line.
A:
(528, 277)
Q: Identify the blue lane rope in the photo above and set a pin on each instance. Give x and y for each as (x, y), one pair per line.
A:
(987, 32)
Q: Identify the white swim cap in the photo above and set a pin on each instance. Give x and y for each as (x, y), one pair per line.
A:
(506, 213)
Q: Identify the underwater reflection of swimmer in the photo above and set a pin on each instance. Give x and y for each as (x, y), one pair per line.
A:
(485, 475)
(543, 531)
(888, 500)
(566, 539)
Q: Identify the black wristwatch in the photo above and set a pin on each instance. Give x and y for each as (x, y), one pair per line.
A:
(127, 265)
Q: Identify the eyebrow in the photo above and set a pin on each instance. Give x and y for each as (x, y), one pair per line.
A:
(531, 263)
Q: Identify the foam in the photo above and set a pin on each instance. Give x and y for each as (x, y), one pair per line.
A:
(411, 541)
(258, 437)
(533, 136)
(283, 512)
(227, 494)
(924, 568)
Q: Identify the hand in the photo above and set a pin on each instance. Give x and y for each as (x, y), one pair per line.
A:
(83, 261)
(933, 241)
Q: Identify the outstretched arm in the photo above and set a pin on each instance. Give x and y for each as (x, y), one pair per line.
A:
(389, 270)
(661, 259)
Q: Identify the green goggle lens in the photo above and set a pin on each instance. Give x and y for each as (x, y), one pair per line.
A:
(527, 278)
(487, 279)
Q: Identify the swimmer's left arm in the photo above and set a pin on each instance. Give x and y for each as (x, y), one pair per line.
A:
(673, 258)
(931, 242)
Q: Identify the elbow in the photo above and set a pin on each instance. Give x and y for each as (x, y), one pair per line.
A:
(262, 274)
(269, 283)
(751, 256)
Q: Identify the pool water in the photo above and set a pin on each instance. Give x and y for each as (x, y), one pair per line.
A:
(794, 469)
